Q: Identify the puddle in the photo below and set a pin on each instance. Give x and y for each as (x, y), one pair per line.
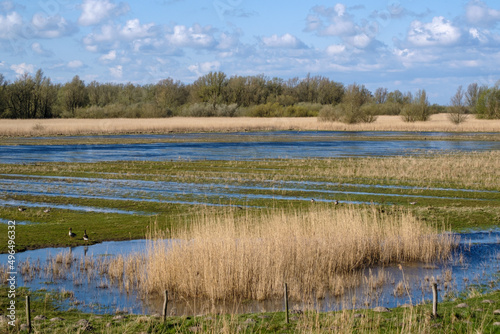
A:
(18, 222)
(4, 202)
(476, 262)
(291, 145)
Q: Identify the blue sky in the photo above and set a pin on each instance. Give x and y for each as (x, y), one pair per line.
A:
(405, 45)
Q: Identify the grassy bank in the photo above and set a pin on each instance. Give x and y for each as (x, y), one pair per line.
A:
(477, 317)
(65, 127)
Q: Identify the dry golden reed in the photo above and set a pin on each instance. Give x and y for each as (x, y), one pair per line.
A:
(38, 127)
(223, 257)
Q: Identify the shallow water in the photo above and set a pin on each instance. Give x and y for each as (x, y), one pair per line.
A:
(207, 193)
(480, 263)
(283, 144)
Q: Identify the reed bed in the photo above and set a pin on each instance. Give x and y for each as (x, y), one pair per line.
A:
(476, 170)
(225, 257)
(39, 127)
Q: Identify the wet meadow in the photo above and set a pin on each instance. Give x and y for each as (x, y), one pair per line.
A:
(349, 221)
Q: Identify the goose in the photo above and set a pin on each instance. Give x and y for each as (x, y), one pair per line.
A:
(413, 203)
(71, 234)
(85, 236)
(313, 200)
(47, 210)
(21, 209)
(336, 202)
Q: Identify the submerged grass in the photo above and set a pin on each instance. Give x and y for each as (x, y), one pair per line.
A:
(479, 316)
(226, 257)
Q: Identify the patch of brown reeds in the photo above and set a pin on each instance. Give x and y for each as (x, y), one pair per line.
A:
(39, 127)
(223, 256)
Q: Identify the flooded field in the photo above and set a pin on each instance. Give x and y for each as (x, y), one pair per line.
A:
(241, 146)
(115, 191)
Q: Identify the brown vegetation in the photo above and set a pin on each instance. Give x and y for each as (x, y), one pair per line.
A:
(43, 127)
(227, 257)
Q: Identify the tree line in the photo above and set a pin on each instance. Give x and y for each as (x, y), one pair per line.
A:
(216, 94)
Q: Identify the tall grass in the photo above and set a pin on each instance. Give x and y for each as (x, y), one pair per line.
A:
(39, 127)
(222, 257)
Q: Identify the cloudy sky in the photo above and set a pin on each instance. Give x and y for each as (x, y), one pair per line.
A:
(405, 45)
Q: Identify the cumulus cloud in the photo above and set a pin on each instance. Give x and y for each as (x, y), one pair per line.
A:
(75, 64)
(51, 26)
(203, 68)
(286, 41)
(109, 56)
(336, 21)
(97, 11)
(195, 36)
(116, 72)
(335, 49)
(111, 35)
(438, 32)
(40, 50)
(478, 13)
(10, 25)
(22, 68)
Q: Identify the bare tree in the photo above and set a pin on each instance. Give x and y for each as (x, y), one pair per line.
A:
(458, 109)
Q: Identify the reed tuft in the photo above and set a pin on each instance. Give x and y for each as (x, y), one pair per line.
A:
(225, 256)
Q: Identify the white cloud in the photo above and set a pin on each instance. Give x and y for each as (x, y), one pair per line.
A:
(360, 41)
(195, 36)
(110, 56)
(203, 68)
(22, 68)
(10, 25)
(335, 49)
(96, 11)
(286, 41)
(478, 35)
(117, 71)
(75, 64)
(51, 26)
(337, 21)
(227, 41)
(40, 50)
(478, 13)
(134, 30)
(439, 32)
(111, 36)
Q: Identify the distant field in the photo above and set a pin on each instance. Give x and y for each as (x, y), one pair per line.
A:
(42, 127)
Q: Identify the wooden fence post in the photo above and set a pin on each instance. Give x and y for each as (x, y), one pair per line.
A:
(28, 313)
(286, 303)
(165, 304)
(434, 300)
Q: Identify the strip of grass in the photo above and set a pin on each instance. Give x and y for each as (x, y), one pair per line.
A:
(232, 138)
(477, 317)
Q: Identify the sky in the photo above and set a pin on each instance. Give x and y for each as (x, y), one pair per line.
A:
(405, 45)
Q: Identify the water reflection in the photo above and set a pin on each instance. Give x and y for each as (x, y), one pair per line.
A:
(290, 145)
(476, 262)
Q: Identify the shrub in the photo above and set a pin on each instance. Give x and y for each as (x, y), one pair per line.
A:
(418, 109)
(198, 110)
(488, 104)
(327, 114)
(266, 110)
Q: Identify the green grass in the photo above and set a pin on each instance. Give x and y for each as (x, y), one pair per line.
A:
(478, 317)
